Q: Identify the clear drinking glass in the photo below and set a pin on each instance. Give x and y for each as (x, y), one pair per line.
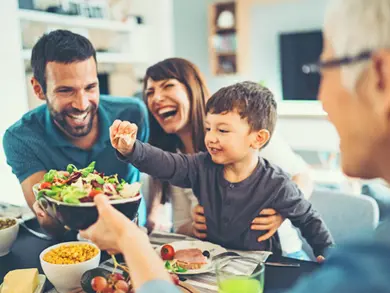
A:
(239, 275)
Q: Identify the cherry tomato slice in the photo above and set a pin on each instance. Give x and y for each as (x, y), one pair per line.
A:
(94, 192)
(45, 185)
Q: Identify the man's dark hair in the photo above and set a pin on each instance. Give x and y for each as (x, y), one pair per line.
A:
(252, 101)
(60, 46)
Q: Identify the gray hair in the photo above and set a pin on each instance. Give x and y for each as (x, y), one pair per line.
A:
(355, 26)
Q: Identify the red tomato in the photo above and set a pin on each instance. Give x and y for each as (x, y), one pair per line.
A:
(94, 192)
(167, 252)
(45, 185)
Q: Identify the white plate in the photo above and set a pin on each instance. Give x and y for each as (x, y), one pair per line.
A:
(41, 284)
(214, 249)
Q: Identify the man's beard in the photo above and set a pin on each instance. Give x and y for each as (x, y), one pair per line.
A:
(73, 131)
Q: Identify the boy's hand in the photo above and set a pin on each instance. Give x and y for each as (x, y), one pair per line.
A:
(123, 135)
(320, 259)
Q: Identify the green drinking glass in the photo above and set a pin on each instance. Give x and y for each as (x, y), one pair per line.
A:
(240, 275)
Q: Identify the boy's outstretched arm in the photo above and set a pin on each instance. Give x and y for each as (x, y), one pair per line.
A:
(291, 204)
(179, 169)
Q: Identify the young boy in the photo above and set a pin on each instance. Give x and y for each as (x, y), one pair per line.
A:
(231, 181)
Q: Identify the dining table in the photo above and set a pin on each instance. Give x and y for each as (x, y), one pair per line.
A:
(27, 248)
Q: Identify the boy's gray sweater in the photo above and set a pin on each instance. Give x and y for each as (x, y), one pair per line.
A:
(231, 207)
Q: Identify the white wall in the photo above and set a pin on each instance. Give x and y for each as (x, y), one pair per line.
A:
(267, 21)
(159, 15)
(13, 91)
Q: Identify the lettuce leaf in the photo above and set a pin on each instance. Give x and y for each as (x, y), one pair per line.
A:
(120, 186)
(72, 194)
(49, 176)
(88, 170)
(71, 168)
(99, 179)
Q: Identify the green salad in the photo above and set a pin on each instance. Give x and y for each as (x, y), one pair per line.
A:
(75, 186)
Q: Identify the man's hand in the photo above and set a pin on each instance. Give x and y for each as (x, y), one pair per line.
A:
(270, 221)
(123, 135)
(199, 227)
(51, 225)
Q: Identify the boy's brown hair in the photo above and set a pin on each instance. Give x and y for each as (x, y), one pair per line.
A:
(252, 101)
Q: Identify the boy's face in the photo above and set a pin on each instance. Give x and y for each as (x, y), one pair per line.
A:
(229, 138)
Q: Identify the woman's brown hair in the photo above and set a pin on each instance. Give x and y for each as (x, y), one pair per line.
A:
(189, 75)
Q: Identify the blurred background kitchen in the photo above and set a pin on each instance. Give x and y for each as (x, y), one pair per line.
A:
(266, 41)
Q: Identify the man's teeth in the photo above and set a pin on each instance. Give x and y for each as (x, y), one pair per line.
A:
(79, 117)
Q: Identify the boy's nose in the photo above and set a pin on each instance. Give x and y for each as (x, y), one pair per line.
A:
(210, 137)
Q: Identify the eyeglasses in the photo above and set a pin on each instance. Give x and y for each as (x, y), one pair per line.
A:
(312, 68)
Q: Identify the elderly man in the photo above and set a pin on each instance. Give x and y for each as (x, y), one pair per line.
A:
(355, 91)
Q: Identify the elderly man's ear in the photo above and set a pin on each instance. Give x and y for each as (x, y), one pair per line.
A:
(374, 85)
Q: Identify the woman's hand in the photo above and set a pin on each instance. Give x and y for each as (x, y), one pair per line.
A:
(199, 227)
(269, 220)
(116, 233)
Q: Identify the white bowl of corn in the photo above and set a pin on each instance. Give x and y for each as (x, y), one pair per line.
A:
(65, 263)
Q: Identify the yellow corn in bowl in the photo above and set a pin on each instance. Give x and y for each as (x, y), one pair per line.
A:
(65, 263)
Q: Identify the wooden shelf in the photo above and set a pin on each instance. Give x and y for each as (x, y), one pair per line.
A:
(225, 54)
(73, 21)
(226, 74)
(225, 30)
(223, 41)
(102, 57)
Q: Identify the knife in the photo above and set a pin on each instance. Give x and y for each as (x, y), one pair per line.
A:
(281, 264)
(267, 263)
